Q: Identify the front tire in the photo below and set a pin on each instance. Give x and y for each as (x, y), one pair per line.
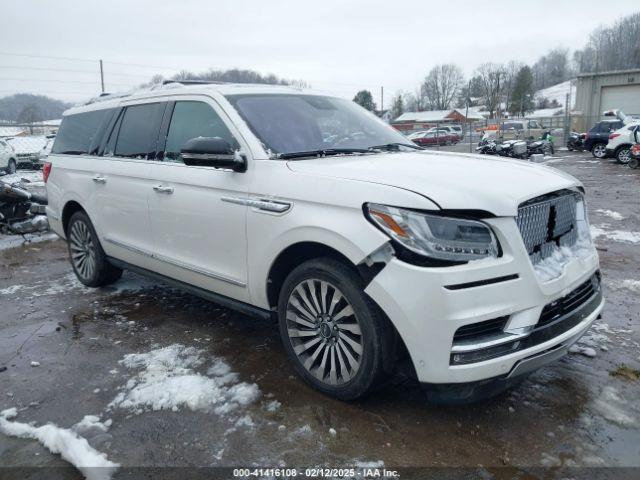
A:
(633, 163)
(12, 167)
(599, 150)
(334, 334)
(623, 155)
(88, 259)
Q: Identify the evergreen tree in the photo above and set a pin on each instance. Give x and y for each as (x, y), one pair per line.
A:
(523, 91)
(365, 99)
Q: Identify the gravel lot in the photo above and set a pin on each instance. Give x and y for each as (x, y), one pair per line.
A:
(582, 411)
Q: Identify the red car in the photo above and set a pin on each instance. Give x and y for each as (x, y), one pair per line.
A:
(425, 139)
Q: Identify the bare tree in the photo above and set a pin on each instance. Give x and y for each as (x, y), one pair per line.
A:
(30, 114)
(491, 79)
(552, 68)
(612, 48)
(397, 106)
(441, 85)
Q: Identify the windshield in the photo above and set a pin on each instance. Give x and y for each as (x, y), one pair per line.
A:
(290, 123)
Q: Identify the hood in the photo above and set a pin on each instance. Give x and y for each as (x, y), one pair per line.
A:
(451, 180)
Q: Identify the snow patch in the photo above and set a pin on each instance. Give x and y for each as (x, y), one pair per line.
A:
(70, 283)
(610, 214)
(167, 381)
(32, 177)
(586, 351)
(273, 405)
(633, 285)
(66, 442)
(613, 408)
(622, 236)
(13, 241)
(553, 266)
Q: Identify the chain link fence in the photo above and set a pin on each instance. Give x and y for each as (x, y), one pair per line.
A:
(440, 135)
(26, 144)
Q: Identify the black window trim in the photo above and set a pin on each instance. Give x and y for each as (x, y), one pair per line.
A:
(168, 115)
(116, 123)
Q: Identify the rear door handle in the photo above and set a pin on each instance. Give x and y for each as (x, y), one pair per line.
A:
(163, 189)
(99, 179)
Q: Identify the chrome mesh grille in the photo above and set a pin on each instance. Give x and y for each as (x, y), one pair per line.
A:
(547, 222)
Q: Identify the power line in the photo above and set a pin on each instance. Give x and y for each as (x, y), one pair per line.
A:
(47, 56)
(71, 70)
(62, 81)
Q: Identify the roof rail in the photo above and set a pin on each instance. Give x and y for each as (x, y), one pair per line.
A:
(194, 82)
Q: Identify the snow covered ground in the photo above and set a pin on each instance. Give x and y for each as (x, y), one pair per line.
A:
(559, 93)
(68, 443)
(167, 380)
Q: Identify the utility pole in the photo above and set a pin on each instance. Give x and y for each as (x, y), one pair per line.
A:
(381, 100)
(567, 127)
(466, 113)
(101, 76)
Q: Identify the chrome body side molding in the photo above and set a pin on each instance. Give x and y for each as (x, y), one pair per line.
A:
(176, 263)
(264, 204)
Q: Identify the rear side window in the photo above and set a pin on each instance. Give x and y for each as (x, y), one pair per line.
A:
(191, 120)
(139, 131)
(77, 132)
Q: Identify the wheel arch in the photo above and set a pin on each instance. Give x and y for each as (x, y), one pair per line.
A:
(68, 210)
(299, 252)
(620, 147)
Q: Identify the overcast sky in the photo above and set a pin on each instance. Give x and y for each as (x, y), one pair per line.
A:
(338, 46)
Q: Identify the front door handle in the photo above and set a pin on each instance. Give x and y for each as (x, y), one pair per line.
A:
(99, 179)
(163, 189)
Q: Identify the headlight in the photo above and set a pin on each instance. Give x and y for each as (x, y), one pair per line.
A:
(433, 236)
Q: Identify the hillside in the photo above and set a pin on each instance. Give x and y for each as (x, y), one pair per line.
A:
(559, 92)
(24, 107)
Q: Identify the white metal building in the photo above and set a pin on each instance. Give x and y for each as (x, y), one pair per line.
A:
(597, 92)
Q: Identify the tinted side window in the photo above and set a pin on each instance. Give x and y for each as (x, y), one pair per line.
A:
(191, 120)
(77, 132)
(139, 131)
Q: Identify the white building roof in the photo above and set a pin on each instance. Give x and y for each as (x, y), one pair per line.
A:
(11, 131)
(428, 116)
(437, 115)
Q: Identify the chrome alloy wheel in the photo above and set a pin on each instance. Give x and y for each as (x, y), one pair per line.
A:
(324, 331)
(599, 151)
(82, 249)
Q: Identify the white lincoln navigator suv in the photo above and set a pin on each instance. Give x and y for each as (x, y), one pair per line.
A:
(306, 208)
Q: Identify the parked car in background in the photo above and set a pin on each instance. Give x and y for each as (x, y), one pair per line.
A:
(27, 150)
(8, 161)
(515, 129)
(598, 137)
(439, 137)
(449, 130)
(620, 143)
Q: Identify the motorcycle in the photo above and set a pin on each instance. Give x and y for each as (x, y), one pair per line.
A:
(543, 146)
(575, 142)
(513, 149)
(486, 147)
(21, 211)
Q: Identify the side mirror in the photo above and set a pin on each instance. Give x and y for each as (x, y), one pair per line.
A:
(212, 152)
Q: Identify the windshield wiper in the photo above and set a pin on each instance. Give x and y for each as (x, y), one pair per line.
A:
(322, 153)
(394, 146)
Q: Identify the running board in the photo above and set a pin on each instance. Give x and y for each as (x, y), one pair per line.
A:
(227, 302)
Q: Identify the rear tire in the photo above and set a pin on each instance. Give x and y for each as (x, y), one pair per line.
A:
(11, 167)
(336, 337)
(88, 259)
(623, 155)
(599, 150)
